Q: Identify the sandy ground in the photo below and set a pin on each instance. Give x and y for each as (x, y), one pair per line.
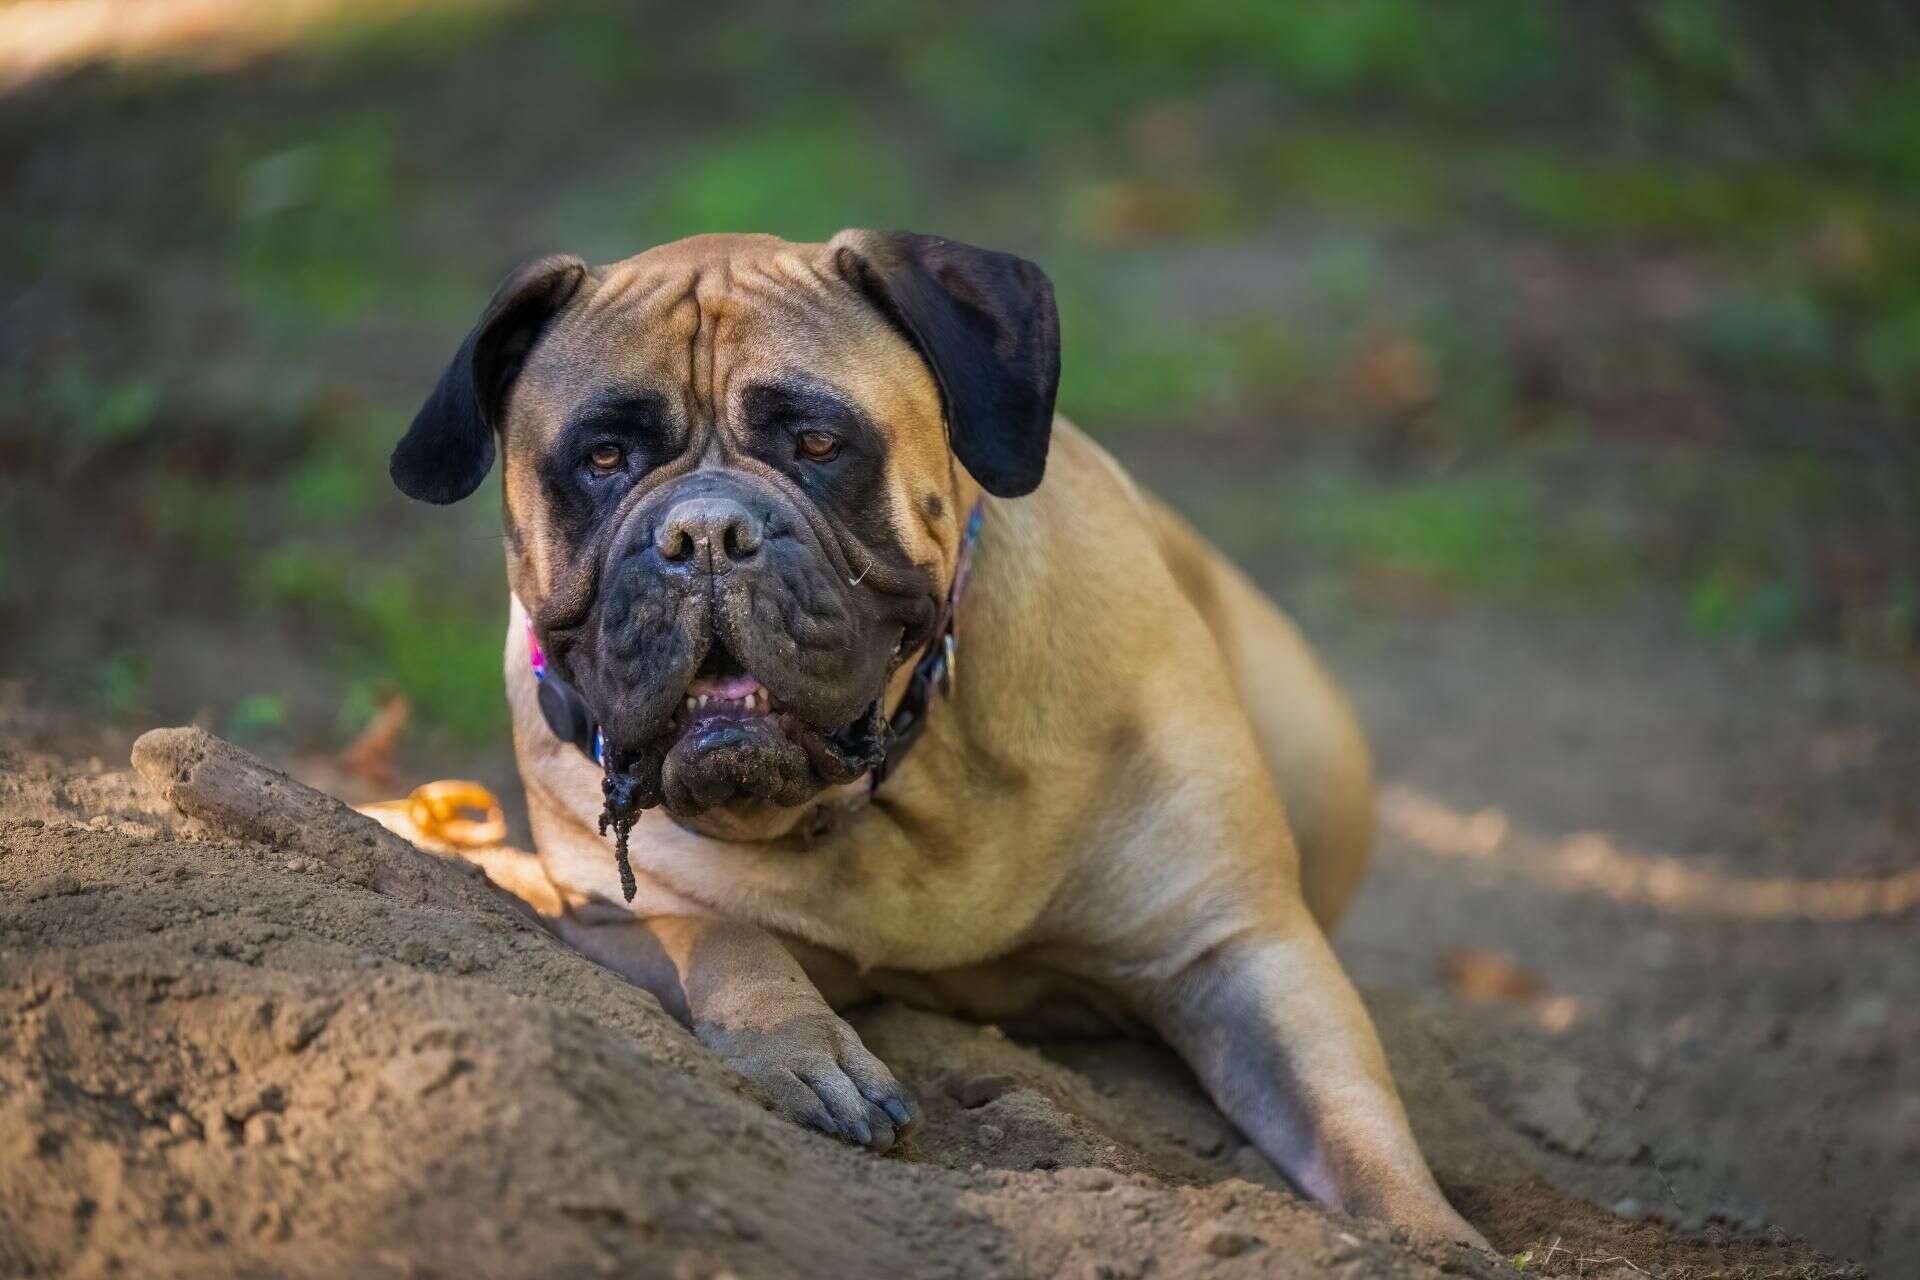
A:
(287, 1044)
(1768, 1060)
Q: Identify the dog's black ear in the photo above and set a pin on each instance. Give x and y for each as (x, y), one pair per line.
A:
(986, 325)
(449, 448)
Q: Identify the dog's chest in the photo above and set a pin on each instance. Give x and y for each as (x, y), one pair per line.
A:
(879, 900)
(930, 891)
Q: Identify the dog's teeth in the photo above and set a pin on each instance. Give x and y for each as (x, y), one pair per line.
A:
(703, 701)
(689, 704)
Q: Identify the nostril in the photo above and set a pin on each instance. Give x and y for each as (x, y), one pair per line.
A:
(674, 541)
(742, 538)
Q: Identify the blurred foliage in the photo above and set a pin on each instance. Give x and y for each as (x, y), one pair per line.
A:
(1488, 532)
(1540, 301)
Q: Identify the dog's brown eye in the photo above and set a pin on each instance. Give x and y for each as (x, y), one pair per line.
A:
(607, 457)
(818, 445)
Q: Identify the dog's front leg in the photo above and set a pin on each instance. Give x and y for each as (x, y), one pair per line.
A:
(747, 999)
(1278, 1036)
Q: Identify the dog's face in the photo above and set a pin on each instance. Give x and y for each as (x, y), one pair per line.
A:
(734, 484)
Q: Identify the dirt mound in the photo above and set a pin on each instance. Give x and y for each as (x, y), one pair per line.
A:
(310, 1050)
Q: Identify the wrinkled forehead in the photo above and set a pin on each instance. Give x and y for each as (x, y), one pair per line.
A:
(700, 321)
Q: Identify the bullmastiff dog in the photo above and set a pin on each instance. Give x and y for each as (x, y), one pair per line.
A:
(840, 667)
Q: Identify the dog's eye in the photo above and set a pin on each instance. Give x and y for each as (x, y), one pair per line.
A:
(818, 446)
(607, 458)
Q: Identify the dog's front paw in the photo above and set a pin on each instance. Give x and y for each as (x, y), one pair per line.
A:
(816, 1071)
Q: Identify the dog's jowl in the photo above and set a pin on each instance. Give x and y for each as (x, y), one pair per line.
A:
(889, 682)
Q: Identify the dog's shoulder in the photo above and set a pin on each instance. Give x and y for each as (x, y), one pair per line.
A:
(1090, 571)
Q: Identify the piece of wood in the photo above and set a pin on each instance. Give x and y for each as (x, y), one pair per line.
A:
(236, 794)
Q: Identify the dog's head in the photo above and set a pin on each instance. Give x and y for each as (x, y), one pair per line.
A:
(732, 501)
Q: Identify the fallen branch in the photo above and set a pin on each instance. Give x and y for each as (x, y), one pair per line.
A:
(236, 794)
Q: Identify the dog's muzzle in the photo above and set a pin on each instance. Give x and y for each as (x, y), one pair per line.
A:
(726, 656)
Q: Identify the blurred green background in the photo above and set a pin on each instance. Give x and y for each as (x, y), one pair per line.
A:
(1519, 305)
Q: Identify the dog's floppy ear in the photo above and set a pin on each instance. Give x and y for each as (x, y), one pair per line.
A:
(986, 325)
(447, 451)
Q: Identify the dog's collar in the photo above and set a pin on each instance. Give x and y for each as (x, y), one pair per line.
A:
(938, 665)
(571, 720)
(561, 705)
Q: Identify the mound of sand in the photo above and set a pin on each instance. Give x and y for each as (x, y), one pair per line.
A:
(244, 1030)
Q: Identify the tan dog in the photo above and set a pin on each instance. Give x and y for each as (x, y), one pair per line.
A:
(738, 478)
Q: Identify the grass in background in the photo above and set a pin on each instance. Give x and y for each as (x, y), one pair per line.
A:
(1540, 300)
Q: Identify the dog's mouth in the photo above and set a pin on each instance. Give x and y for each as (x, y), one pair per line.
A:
(731, 742)
(722, 689)
(726, 709)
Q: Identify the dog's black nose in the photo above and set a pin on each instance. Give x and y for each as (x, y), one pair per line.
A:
(711, 531)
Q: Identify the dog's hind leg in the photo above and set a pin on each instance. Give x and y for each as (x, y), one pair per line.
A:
(1278, 1036)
